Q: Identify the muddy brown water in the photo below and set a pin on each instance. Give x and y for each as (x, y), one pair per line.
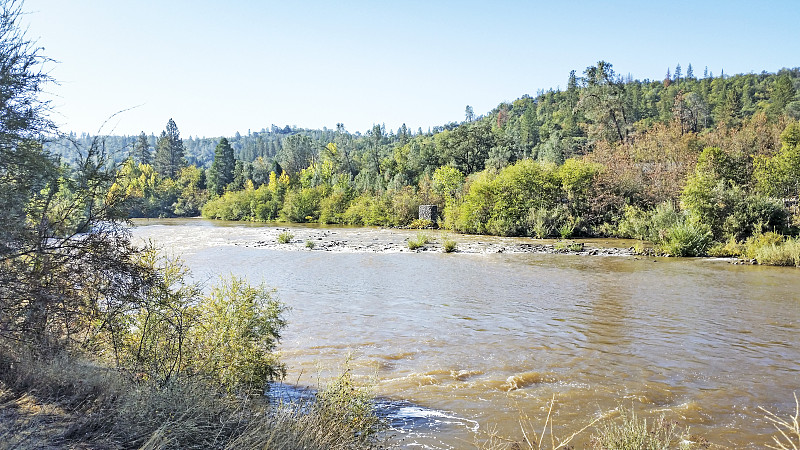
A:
(475, 339)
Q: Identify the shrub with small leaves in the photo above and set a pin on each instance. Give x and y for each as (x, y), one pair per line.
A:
(285, 237)
(449, 246)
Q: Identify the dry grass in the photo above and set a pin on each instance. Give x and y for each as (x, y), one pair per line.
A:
(788, 437)
(71, 403)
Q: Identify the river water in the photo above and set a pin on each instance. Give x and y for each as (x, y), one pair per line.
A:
(468, 342)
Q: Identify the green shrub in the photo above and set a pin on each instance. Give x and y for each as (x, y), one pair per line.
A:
(303, 205)
(686, 239)
(760, 240)
(728, 249)
(542, 222)
(368, 210)
(784, 254)
(404, 206)
(238, 330)
(310, 245)
(421, 224)
(449, 245)
(567, 227)
(333, 207)
(421, 240)
(285, 237)
(501, 204)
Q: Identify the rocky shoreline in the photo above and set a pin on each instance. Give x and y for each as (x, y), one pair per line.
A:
(366, 240)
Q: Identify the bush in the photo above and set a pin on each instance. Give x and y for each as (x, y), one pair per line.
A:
(333, 207)
(728, 249)
(303, 205)
(686, 239)
(421, 224)
(449, 245)
(542, 222)
(367, 210)
(285, 237)
(421, 240)
(238, 329)
(98, 407)
(760, 240)
(771, 253)
(501, 204)
(310, 245)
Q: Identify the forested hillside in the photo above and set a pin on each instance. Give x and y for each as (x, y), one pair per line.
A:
(696, 159)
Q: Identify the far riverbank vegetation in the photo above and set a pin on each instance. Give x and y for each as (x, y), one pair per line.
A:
(691, 165)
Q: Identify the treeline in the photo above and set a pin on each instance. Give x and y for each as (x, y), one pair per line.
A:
(605, 157)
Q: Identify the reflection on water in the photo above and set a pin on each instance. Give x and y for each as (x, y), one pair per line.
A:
(485, 336)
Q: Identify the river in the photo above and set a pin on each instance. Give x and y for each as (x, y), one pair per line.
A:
(470, 341)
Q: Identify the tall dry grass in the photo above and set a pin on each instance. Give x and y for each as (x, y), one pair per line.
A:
(71, 402)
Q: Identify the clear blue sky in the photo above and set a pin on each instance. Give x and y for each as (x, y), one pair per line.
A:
(220, 67)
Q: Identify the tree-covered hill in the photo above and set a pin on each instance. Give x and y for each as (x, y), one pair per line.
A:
(708, 162)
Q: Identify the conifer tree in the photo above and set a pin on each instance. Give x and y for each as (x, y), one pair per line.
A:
(221, 172)
(141, 150)
(169, 159)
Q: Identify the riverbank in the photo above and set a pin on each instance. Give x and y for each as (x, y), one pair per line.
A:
(390, 240)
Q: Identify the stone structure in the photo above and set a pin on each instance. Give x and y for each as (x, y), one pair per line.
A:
(428, 212)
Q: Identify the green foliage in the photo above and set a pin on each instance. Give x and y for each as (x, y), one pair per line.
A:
(686, 239)
(302, 205)
(169, 158)
(779, 175)
(368, 210)
(332, 208)
(786, 253)
(344, 403)
(650, 225)
(449, 245)
(728, 249)
(500, 204)
(285, 237)
(761, 240)
(238, 330)
(542, 222)
(421, 240)
(569, 245)
(421, 224)
(447, 181)
(221, 172)
(310, 245)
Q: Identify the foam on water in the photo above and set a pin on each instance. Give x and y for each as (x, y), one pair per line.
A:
(410, 424)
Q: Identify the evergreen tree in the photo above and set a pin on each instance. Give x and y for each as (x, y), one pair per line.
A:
(141, 150)
(221, 172)
(469, 114)
(689, 73)
(169, 159)
(678, 73)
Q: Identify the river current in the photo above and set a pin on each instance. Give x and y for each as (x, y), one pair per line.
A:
(462, 343)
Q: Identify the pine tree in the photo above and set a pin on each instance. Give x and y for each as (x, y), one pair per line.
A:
(678, 73)
(689, 73)
(169, 159)
(221, 172)
(141, 150)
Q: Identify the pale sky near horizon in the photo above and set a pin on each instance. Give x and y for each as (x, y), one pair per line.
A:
(218, 68)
